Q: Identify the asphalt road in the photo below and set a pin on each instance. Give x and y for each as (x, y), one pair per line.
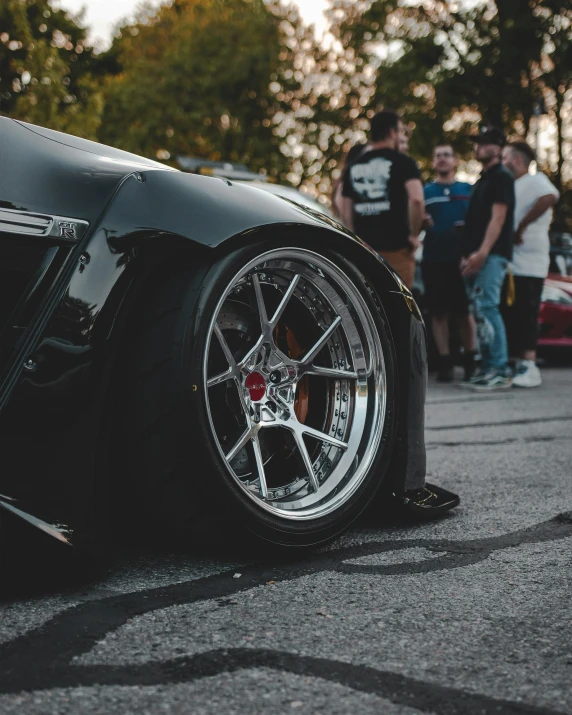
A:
(467, 615)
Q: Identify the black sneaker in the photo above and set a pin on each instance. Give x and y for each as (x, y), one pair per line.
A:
(446, 372)
(429, 501)
(468, 362)
(477, 376)
(490, 382)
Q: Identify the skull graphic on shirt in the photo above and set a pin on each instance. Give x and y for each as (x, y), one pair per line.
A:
(369, 180)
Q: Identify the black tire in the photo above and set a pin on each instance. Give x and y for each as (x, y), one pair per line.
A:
(180, 475)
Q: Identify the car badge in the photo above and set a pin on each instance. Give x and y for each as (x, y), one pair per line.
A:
(67, 229)
(33, 224)
(256, 386)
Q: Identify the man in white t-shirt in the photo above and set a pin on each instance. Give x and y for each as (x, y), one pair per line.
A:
(535, 198)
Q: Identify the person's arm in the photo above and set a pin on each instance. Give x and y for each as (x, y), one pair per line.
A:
(337, 198)
(416, 210)
(474, 263)
(543, 204)
(346, 198)
(346, 206)
(427, 221)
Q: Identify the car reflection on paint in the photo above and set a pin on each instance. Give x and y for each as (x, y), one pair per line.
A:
(292, 194)
(241, 174)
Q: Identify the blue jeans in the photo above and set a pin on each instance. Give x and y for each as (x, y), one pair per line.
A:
(484, 291)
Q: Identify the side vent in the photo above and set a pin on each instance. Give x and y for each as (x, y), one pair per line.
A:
(28, 224)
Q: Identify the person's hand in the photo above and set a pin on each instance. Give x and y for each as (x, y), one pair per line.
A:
(427, 221)
(517, 238)
(414, 243)
(473, 264)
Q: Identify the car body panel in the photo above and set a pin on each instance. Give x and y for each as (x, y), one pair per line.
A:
(292, 194)
(59, 367)
(49, 177)
(555, 319)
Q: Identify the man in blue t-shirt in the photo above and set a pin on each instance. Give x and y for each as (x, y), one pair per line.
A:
(446, 204)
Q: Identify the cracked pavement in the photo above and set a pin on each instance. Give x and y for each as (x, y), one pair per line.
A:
(468, 614)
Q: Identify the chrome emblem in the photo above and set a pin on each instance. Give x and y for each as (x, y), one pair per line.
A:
(67, 229)
(32, 224)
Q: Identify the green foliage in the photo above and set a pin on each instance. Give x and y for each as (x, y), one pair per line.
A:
(46, 69)
(246, 81)
(449, 65)
(205, 78)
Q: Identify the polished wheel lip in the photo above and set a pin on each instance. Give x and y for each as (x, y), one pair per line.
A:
(369, 393)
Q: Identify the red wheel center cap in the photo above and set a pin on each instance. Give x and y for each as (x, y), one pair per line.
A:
(256, 386)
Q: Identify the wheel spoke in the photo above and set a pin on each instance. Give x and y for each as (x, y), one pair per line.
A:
(260, 302)
(242, 442)
(323, 437)
(252, 352)
(282, 400)
(224, 345)
(306, 459)
(330, 372)
(217, 379)
(259, 466)
(284, 302)
(242, 401)
(322, 340)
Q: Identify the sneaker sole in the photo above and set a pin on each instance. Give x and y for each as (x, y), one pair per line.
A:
(490, 388)
(466, 385)
(536, 384)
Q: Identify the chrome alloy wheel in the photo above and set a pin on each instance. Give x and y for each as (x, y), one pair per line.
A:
(295, 386)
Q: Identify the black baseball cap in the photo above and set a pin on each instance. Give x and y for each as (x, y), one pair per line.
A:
(489, 135)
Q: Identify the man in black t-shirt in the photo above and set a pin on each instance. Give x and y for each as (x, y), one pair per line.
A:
(382, 196)
(338, 184)
(487, 252)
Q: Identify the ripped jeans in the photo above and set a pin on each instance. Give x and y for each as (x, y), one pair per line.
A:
(484, 292)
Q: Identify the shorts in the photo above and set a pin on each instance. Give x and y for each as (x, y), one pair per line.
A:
(445, 291)
(521, 318)
(403, 263)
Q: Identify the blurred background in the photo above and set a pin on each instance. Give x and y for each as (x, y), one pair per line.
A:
(287, 88)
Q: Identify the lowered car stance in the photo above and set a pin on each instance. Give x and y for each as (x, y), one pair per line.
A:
(196, 356)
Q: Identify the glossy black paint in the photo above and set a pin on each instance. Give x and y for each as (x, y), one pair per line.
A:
(41, 174)
(58, 384)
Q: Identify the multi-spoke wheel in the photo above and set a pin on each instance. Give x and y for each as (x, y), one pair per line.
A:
(295, 383)
(275, 402)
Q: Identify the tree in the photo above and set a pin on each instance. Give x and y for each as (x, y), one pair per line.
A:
(208, 78)
(48, 74)
(449, 65)
(554, 72)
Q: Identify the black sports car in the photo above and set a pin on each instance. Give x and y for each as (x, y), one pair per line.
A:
(197, 353)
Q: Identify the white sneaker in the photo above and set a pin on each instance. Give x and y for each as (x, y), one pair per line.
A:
(528, 375)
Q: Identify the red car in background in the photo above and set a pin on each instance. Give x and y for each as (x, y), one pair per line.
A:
(555, 318)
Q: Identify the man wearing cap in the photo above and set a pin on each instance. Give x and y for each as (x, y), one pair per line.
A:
(487, 249)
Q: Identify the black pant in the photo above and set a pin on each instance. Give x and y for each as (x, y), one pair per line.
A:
(521, 318)
(444, 288)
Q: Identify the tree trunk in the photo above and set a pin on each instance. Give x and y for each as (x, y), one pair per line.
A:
(559, 137)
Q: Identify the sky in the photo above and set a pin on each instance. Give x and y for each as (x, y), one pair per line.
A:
(102, 15)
